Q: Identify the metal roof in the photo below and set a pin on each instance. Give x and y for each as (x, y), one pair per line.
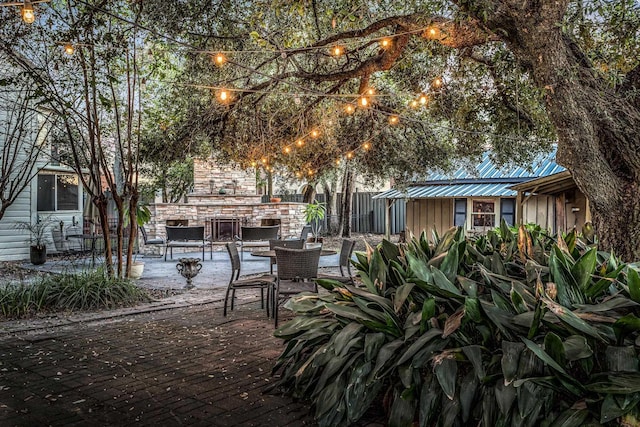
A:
(487, 181)
(447, 191)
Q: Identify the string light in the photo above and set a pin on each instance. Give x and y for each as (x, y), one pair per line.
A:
(423, 99)
(414, 104)
(28, 13)
(363, 102)
(350, 155)
(337, 50)
(300, 142)
(287, 150)
(371, 91)
(385, 43)
(254, 163)
(315, 133)
(433, 32)
(437, 83)
(349, 109)
(366, 145)
(69, 49)
(224, 96)
(394, 120)
(338, 162)
(264, 160)
(219, 58)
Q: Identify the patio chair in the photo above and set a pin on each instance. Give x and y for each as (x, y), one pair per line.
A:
(291, 244)
(344, 264)
(296, 270)
(262, 282)
(70, 245)
(303, 234)
(151, 241)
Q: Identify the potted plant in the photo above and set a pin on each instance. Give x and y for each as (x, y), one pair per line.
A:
(143, 216)
(38, 238)
(313, 213)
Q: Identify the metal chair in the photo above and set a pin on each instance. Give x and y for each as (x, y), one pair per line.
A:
(296, 270)
(151, 241)
(291, 244)
(345, 263)
(265, 281)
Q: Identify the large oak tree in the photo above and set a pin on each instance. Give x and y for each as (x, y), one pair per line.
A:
(517, 74)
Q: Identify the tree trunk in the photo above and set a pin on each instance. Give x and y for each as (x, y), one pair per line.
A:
(331, 199)
(347, 198)
(309, 193)
(598, 140)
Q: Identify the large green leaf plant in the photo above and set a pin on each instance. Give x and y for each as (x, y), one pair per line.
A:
(513, 328)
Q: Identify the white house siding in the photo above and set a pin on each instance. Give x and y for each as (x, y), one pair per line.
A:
(539, 210)
(14, 243)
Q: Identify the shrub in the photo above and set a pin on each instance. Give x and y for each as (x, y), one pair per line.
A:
(509, 329)
(83, 291)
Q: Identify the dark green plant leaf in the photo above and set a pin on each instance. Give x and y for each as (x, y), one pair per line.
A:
(372, 343)
(554, 347)
(568, 317)
(430, 395)
(474, 354)
(446, 370)
(403, 409)
(584, 268)
(385, 356)
(571, 418)
(538, 351)
(621, 359)
(418, 344)
(402, 292)
(468, 392)
(505, 395)
(576, 347)
(441, 281)
(510, 359)
(633, 282)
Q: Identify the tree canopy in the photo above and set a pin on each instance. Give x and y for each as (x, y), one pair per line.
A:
(442, 80)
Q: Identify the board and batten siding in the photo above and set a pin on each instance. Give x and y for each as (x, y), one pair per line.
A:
(539, 210)
(14, 244)
(427, 214)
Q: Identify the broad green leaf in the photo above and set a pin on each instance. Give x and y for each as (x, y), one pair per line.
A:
(571, 418)
(569, 292)
(633, 282)
(446, 371)
(468, 391)
(621, 359)
(568, 317)
(472, 309)
(576, 347)
(505, 395)
(359, 395)
(402, 292)
(385, 355)
(341, 338)
(372, 343)
(441, 281)
(389, 250)
(418, 344)
(474, 354)
(430, 395)
(518, 302)
(428, 311)
(403, 409)
(616, 383)
(553, 347)
(510, 359)
(450, 264)
(584, 268)
(538, 351)
(625, 325)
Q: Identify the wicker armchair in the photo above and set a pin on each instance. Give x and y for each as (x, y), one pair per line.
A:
(265, 281)
(345, 264)
(296, 270)
(291, 244)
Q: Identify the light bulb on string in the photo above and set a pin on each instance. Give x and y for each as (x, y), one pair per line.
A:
(219, 58)
(264, 160)
(432, 32)
(300, 142)
(437, 83)
(350, 155)
(385, 43)
(28, 13)
(69, 49)
(349, 109)
(253, 163)
(363, 102)
(393, 119)
(224, 96)
(371, 91)
(337, 50)
(366, 146)
(287, 150)
(423, 99)
(338, 162)
(414, 103)
(315, 133)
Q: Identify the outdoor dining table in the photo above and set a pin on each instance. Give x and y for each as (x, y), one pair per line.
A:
(271, 253)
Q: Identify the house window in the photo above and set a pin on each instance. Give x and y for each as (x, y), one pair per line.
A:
(459, 212)
(483, 214)
(57, 192)
(508, 211)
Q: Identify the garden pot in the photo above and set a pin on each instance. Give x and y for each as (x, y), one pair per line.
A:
(275, 200)
(137, 269)
(38, 255)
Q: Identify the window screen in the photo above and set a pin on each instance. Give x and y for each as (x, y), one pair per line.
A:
(460, 212)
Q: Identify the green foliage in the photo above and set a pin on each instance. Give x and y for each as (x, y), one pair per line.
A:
(515, 328)
(84, 291)
(314, 212)
(37, 230)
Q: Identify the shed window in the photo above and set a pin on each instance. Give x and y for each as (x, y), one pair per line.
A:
(483, 214)
(57, 192)
(508, 210)
(460, 212)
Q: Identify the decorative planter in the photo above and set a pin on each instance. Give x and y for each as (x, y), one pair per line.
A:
(275, 200)
(189, 268)
(137, 268)
(38, 255)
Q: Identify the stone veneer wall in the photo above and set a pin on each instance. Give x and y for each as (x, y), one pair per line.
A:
(223, 176)
(290, 215)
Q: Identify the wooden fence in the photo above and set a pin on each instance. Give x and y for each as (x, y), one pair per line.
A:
(367, 214)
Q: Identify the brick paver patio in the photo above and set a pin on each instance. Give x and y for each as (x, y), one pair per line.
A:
(183, 366)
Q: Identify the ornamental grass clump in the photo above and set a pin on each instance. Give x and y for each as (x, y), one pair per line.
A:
(514, 328)
(73, 292)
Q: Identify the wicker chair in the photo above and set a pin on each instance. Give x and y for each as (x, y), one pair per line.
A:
(265, 281)
(296, 270)
(345, 263)
(291, 244)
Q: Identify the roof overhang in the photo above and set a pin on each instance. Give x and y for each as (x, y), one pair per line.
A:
(551, 184)
(448, 191)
